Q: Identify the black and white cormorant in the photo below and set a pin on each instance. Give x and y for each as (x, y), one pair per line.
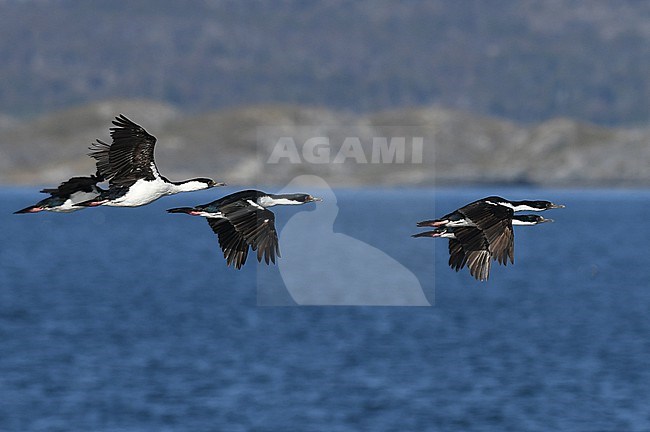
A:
(242, 220)
(482, 231)
(67, 195)
(460, 217)
(472, 247)
(128, 164)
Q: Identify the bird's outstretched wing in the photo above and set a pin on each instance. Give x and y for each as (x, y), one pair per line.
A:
(457, 257)
(245, 226)
(233, 244)
(258, 228)
(471, 248)
(75, 184)
(129, 157)
(495, 222)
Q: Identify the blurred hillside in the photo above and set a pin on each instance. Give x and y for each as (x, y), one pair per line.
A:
(233, 146)
(524, 60)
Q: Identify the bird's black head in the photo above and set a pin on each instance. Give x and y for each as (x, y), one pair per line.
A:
(529, 220)
(543, 205)
(197, 184)
(533, 205)
(304, 198)
(209, 182)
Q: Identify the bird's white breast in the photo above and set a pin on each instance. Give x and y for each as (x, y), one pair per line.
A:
(69, 205)
(143, 192)
(66, 207)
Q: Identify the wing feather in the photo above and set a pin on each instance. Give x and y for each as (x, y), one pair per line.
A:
(258, 228)
(75, 184)
(457, 257)
(252, 227)
(129, 157)
(496, 223)
(470, 248)
(233, 244)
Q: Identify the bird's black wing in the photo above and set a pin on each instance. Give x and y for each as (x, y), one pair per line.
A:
(258, 228)
(252, 223)
(495, 222)
(457, 257)
(75, 184)
(233, 244)
(470, 248)
(129, 157)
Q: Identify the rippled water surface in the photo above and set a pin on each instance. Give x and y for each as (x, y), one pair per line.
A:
(128, 320)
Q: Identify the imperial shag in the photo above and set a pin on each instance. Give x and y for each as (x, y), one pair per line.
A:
(66, 197)
(482, 231)
(493, 203)
(128, 164)
(242, 220)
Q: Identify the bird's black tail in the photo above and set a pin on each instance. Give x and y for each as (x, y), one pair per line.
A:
(427, 234)
(180, 210)
(30, 209)
(430, 223)
(90, 203)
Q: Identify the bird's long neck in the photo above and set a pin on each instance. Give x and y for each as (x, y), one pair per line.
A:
(521, 206)
(523, 221)
(188, 185)
(273, 200)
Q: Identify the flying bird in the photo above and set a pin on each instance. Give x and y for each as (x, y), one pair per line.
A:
(242, 220)
(129, 166)
(482, 231)
(66, 197)
(470, 245)
(459, 217)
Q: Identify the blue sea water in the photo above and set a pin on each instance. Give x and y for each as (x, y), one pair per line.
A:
(128, 320)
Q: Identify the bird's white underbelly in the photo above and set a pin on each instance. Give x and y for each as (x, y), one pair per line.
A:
(69, 205)
(143, 192)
